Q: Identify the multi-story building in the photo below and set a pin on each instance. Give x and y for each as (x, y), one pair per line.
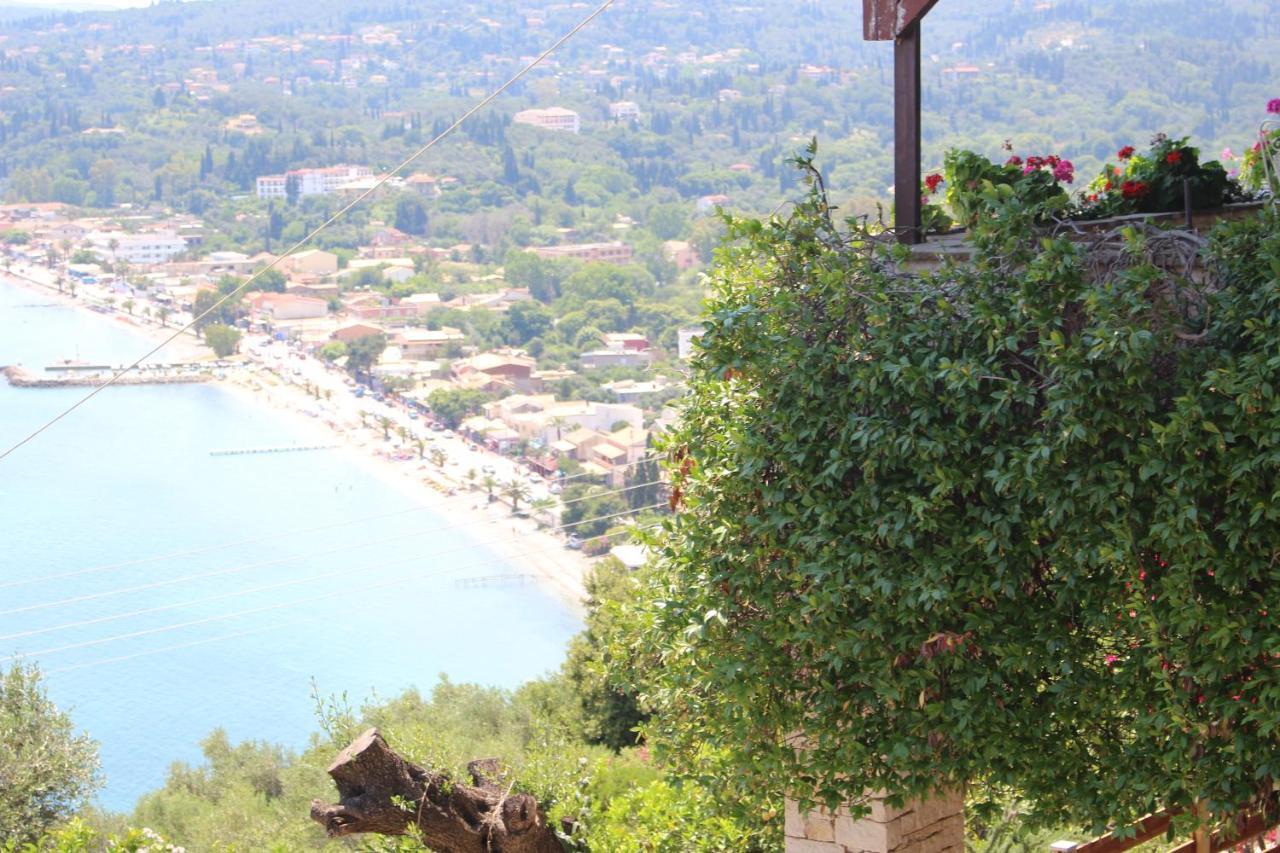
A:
(624, 111)
(311, 181)
(551, 118)
(153, 247)
(609, 253)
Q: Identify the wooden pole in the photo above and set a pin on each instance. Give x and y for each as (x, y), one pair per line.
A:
(906, 133)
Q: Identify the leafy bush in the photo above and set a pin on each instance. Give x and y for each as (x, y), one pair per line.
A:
(974, 183)
(1153, 182)
(47, 769)
(1007, 525)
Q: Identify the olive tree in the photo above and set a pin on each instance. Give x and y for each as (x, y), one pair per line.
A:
(47, 769)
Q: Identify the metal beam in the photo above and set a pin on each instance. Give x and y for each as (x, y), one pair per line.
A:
(886, 20)
(906, 135)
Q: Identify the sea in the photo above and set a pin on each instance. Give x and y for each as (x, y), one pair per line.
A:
(165, 591)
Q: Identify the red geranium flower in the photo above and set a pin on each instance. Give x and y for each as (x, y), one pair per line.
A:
(1134, 189)
(1125, 153)
(1173, 158)
(932, 182)
(1015, 160)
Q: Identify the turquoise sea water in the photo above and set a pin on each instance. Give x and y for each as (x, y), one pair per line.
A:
(149, 655)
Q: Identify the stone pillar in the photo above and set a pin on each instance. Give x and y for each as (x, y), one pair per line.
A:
(932, 826)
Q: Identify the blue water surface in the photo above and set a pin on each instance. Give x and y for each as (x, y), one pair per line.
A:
(165, 592)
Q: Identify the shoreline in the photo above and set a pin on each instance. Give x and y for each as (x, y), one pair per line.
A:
(180, 349)
(561, 572)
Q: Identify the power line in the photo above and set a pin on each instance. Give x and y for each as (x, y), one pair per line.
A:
(273, 627)
(219, 573)
(272, 562)
(278, 605)
(319, 228)
(210, 548)
(280, 585)
(93, 664)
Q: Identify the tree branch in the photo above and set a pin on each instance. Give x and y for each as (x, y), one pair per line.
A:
(381, 792)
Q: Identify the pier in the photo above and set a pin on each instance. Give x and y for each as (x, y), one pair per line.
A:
(288, 448)
(495, 580)
(20, 377)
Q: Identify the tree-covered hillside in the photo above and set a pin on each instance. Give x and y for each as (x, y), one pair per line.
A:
(134, 106)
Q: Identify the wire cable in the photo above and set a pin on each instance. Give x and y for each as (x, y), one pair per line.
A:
(220, 573)
(280, 560)
(272, 627)
(488, 99)
(275, 626)
(306, 600)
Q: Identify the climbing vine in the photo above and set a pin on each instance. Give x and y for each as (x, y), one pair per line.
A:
(1010, 524)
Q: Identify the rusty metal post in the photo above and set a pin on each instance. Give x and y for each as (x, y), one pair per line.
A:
(906, 135)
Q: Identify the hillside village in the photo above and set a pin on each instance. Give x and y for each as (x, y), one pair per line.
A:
(153, 273)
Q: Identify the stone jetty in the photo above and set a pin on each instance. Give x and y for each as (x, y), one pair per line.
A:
(20, 377)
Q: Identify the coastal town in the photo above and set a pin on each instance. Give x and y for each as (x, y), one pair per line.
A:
(506, 436)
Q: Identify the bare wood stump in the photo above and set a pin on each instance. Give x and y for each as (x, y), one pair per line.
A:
(381, 792)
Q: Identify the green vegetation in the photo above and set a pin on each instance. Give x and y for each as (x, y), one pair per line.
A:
(223, 340)
(363, 352)
(590, 510)
(47, 769)
(1006, 524)
(451, 406)
(563, 738)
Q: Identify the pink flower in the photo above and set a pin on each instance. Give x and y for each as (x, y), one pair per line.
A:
(1015, 160)
(1064, 171)
(1228, 154)
(1273, 105)
(1111, 659)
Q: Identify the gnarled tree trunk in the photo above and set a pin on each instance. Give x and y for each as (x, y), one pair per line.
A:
(380, 792)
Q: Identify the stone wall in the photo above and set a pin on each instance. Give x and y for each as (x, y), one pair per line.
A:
(933, 826)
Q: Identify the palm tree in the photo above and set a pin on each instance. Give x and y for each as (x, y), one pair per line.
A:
(163, 313)
(421, 447)
(127, 305)
(364, 418)
(471, 476)
(438, 457)
(517, 490)
(403, 433)
(385, 423)
(539, 505)
(489, 482)
(328, 394)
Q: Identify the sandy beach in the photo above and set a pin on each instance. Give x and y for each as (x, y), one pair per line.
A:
(183, 348)
(519, 541)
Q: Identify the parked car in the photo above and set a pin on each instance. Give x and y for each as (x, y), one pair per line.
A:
(574, 542)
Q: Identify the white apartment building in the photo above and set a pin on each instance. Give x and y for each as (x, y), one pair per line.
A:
(624, 111)
(153, 247)
(551, 118)
(311, 181)
(609, 253)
